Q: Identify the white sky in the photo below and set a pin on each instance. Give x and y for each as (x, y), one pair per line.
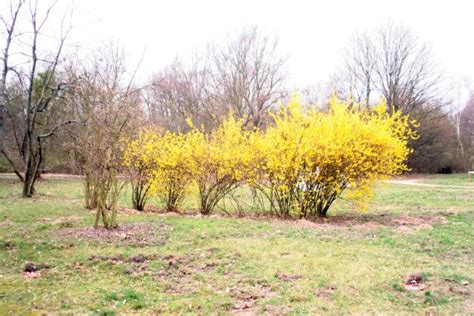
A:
(311, 34)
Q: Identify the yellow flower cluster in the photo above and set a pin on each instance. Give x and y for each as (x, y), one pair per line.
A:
(302, 162)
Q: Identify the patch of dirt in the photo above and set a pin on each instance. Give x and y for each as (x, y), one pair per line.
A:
(404, 230)
(277, 310)
(245, 305)
(151, 208)
(165, 214)
(306, 223)
(288, 277)
(341, 221)
(6, 223)
(415, 282)
(137, 234)
(127, 210)
(450, 211)
(34, 267)
(34, 270)
(461, 290)
(469, 306)
(32, 275)
(179, 272)
(464, 289)
(418, 220)
(136, 266)
(189, 264)
(370, 224)
(411, 224)
(403, 224)
(132, 211)
(8, 245)
(246, 298)
(177, 277)
(63, 220)
(137, 270)
(326, 292)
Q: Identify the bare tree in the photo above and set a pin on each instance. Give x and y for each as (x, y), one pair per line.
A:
(108, 107)
(35, 77)
(179, 92)
(391, 62)
(360, 61)
(247, 76)
(461, 85)
(9, 31)
(467, 132)
(314, 96)
(244, 77)
(406, 72)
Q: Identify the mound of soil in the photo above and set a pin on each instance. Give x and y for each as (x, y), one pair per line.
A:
(415, 282)
(403, 224)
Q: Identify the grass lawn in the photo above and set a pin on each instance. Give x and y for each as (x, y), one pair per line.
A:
(352, 262)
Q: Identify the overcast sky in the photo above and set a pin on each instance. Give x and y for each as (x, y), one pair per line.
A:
(311, 34)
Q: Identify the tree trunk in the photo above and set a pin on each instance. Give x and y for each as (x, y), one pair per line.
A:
(140, 189)
(3, 102)
(29, 181)
(91, 192)
(32, 163)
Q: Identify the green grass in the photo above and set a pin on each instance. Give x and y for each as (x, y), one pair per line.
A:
(448, 179)
(228, 264)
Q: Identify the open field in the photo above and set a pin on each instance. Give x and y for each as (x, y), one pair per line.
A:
(51, 261)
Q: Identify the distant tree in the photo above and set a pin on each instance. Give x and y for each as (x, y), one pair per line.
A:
(245, 76)
(360, 62)
(9, 21)
(36, 90)
(391, 62)
(180, 91)
(435, 150)
(467, 132)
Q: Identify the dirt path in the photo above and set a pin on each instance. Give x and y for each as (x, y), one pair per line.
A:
(429, 185)
(44, 176)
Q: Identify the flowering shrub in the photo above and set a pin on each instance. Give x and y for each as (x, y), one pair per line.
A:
(301, 163)
(308, 158)
(221, 162)
(160, 164)
(139, 161)
(174, 167)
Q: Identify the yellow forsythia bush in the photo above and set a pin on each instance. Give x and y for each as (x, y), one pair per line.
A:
(173, 167)
(308, 158)
(302, 162)
(139, 163)
(222, 162)
(163, 160)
